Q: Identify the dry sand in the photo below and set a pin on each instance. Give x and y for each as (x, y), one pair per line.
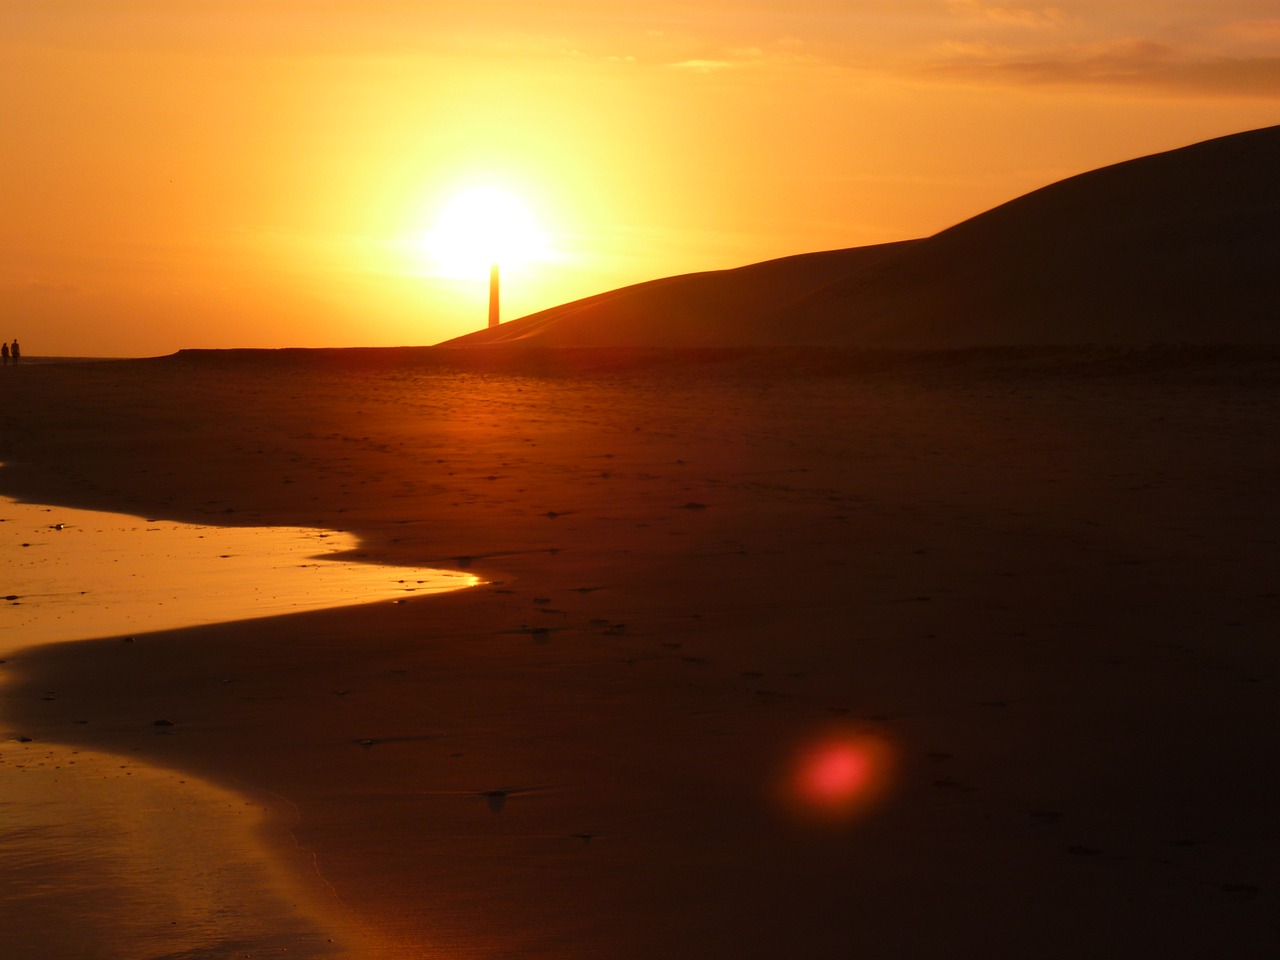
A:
(1049, 586)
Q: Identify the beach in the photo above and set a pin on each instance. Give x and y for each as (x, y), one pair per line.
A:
(1037, 590)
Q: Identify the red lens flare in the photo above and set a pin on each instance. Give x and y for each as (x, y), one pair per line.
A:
(838, 775)
(835, 774)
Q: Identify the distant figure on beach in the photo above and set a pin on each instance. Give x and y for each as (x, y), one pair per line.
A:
(4, 352)
(14, 351)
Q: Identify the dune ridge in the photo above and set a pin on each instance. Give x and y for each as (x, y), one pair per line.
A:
(1177, 247)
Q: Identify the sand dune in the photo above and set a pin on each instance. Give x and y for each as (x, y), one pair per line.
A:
(739, 307)
(1179, 247)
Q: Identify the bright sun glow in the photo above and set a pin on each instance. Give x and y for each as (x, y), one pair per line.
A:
(482, 226)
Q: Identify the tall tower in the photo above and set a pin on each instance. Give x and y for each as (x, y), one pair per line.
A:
(493, 295)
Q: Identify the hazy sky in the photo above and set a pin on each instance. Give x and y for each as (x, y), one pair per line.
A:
(221, 173)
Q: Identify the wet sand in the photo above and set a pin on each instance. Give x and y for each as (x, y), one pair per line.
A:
(76, 574)
(1048, 586)
(121, 859)
(102, 856)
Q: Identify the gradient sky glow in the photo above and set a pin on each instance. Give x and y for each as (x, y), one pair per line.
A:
(223, 173)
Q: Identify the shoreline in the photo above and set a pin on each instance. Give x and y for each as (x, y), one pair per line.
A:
(691, 578)
(79, 574)
(1230, 360)
(88, 873)
(72, 814)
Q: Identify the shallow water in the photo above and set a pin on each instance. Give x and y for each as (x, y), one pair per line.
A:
(104, 858)
(79, 574)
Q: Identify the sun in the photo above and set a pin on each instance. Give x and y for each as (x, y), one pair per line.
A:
(481, 226)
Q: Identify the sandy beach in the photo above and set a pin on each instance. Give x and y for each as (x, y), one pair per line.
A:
(1038, 588)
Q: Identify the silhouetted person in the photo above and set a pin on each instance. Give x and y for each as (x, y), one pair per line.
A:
(14, 350)
(4, 352)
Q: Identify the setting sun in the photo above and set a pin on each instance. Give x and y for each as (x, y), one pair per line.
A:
(479, 227)
(334, 184)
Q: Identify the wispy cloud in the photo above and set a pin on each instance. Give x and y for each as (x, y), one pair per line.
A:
(1132, 63)
(1033, 17)
(1263, 31)
(785, 52)
(703, 66)
(1168, 48)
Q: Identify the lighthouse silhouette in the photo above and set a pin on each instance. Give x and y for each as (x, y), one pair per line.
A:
(493, 294)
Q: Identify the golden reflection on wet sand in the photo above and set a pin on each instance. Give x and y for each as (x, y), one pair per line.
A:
(105, 858)
(77, 574)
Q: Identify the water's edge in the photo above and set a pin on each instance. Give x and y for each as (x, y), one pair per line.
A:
(103, 857)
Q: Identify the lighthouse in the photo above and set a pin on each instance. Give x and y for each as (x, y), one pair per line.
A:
(493, 294)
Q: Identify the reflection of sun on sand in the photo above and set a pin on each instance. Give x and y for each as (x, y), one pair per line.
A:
(77, 574)
(118, 858)
(1050, 595)
(113, 859)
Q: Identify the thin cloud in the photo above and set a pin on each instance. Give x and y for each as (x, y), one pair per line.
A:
(703, 66)
(1131, 64)
(1266, 31)
(785, 52)
(1033, 17)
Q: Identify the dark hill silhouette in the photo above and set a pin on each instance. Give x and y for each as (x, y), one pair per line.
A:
(1178, 247)
(733, 307)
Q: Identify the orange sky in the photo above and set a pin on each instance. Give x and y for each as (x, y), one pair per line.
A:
(222, 173)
